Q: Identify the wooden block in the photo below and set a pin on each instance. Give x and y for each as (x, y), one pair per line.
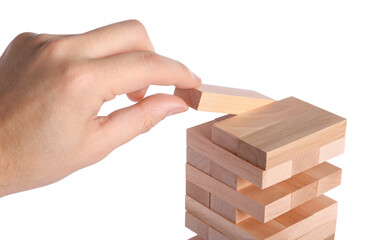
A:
(226, 210)
(266, 204)
(198, 193)
(222, 99)
(197, 238)
(305, 161)
(199, 139)
(198, 161)
(327, 175)
(197, 226)
(227, 177)
(307, 189)
(278, 132)
(332, 150)
(224, 192)
(322, 210)
(332, 237)
(323, 232)
(226, 133)
(215, 235)
(310, 212)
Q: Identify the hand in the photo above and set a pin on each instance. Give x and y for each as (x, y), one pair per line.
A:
(52, 88)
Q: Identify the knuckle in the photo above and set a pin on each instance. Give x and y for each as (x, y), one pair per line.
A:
(40, 39)
(147, 123)
(54, 48)
(137, 26)
(74, 77)
(152, 59)
(22, 38)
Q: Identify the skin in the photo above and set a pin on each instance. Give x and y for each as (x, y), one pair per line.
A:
(52, 88)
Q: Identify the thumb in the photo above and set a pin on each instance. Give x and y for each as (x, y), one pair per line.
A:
(124, 124)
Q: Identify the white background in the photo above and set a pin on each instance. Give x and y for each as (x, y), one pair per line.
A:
(313, 50)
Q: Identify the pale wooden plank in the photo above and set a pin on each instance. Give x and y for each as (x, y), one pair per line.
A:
(199, 139)
(226, 133)
(323, 232)
(278, 132)
(313, 214)
(226, 210)
(332, 150)
(328, 176)
(215, 235)
(266, 204)
(227, 177)
(198, 193)
(198, 161)
(320, 210)
(291, 137)
(224, 192)
(222, 99)
(197, 226)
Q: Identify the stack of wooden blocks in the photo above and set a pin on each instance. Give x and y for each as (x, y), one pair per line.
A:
(261, 173)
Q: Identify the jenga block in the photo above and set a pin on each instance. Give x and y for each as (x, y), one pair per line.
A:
(278, 132)
(197, 226)
(197, 238)
(327, 175)
(317, 212)
(224, 192)
(199, 139)
(305, 161)
(215, 235)
(227, 177)
(198, 193)
(332, 150)
(226, 210)
(323, 232)
(222, 99)
(332, 237)
(303, 212)
(198, 161)
(307, 189)
(266, 204)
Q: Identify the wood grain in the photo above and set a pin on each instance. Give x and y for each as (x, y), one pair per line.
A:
(226, 210)
(199, 140)
(227, 177)
(266, 204)
(278, 132)
(198, 193)
(314, 214)
(197, 226)
(221, 99)
(323, 232)
(215, 235)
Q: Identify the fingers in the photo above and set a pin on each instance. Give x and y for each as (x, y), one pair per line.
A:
(137, 95)
(133, 71)
(123, 125)
(113, 39)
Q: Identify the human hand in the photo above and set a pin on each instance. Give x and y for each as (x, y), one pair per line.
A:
(52, 88)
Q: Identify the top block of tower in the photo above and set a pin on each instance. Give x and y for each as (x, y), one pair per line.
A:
(222, 99)
(278, 132)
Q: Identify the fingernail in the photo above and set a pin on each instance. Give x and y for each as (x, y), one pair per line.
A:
(176, 111)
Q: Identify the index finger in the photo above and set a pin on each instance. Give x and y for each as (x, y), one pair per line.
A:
(133, 71)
